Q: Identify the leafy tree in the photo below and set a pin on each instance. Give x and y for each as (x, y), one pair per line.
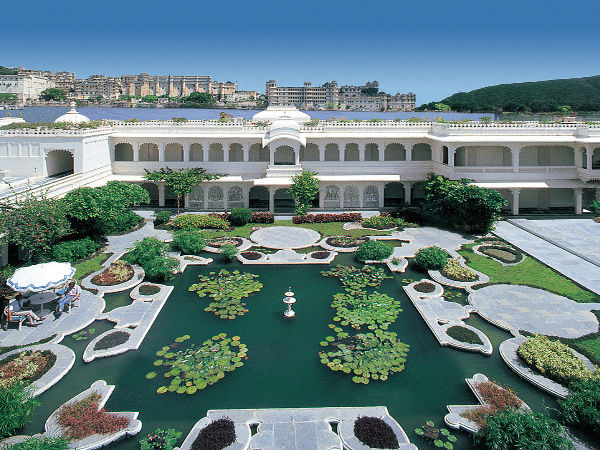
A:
(442, 107)
(305, 186)
(581, 408)
(152, 255)
(370, 91)
(53, 94)
(149, 98)
(91, 209)
(508, 429)
(125, 97)
(330, 105)
(462, 205)
(7, 98)
(16, 408)
(8, 71)
(181, 181)
(199, 100)
(564, 109)
(33, 225)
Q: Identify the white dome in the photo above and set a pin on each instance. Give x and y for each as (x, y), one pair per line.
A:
(274, 113)
(284, 128)
(72, 116)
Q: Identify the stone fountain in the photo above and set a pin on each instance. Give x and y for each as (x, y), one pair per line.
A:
(289, 300)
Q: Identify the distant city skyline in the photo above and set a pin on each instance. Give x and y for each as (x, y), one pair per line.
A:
(432, 49)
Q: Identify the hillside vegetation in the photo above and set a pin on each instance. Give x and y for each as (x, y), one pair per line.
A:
(582, 94)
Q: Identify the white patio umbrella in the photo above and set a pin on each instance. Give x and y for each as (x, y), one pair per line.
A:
(41, 277)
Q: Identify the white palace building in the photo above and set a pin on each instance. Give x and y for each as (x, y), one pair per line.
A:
(361, 165)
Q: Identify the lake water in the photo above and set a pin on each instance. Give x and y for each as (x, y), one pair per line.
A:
(50, 113)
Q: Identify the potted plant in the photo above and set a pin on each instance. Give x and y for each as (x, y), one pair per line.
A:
(595, 208)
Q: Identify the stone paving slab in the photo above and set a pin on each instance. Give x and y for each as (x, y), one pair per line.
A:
(297, 428)
(285, 237)
(80, 317)
(516, 307)
(570, 265)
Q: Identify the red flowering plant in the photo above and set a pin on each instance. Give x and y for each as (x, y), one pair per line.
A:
(33, 225)
(85, 418)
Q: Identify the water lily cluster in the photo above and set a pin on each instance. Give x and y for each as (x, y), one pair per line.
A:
(362, 346)
(194, 368)
(227, 290)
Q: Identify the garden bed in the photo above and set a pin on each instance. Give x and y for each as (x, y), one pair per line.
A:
(253, 256)
(346, 241)
(375, 433)
(463, 334)
(27, 366)
(112, 340)
(149, 289)
(424, 287)
(453, 270)
(502, 253)
(320, 255)
(216, 435)
(221, 241)
(117, 273)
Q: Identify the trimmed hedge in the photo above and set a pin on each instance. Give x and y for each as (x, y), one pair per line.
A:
(463, 334)
(189, 241)
(216, 435)
(375, 433)
(112, 340)
(327, 218)
(240, 216)
(200, 221)
(162, 217)
(373, 251)
(455, 271)
(71, 251)
(431, 258)
(518, 255)
(255, 217)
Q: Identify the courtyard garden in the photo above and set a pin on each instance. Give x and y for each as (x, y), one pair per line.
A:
(206, 332)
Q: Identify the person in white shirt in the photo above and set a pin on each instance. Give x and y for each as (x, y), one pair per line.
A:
(68, 295)
(16, 309)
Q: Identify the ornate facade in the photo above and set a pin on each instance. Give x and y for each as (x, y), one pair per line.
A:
(360, 165)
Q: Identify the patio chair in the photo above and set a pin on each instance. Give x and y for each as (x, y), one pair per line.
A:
(73, 304)
(12, 319)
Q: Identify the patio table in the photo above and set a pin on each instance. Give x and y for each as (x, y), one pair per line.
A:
(39, 298)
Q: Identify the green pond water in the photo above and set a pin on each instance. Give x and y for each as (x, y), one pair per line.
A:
(283, 367)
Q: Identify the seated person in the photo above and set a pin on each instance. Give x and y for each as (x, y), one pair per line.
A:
(68, 295)
(16, 309)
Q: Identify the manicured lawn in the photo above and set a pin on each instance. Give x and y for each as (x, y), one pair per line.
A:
(84, 268)
(530, 272)
(325, 229)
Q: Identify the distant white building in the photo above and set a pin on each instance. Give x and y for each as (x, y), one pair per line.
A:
(27, 87)
(360, 165)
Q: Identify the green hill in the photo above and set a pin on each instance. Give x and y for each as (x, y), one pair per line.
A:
(582, 94)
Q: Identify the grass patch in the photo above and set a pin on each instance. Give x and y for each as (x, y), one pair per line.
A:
(89, 266)
(529, 272)
(588, 345)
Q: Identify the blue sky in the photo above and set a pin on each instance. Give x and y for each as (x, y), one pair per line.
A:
(432, 48)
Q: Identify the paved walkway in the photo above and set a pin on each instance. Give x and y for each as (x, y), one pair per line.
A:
(285, 237)
(517, 308)
(120, 244)
(579, 270)
(426, 237)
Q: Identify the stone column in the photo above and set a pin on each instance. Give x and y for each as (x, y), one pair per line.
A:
(271, 199)
(161, 195)
(381, 193)
(321, 199)
(451, 153)
(589, 154)
(361, 151)
(271, 155)
(246, 196)
(136, 151)
(186, 151)
(322, 152)
(226, 151)
(297, 155)
(578, 192)
(186, 201)
(360, 196)
(597, 194)
(205, 150)
(516, 151)
(161, 151)
(515, 201)
(409, 148)
(381, 151)
(246, 151)
(407, 192)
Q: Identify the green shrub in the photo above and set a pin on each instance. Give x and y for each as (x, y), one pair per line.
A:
(240, 216)
(373, 251)
(229, 252)
(189, 241)
(162, 217)
(16, 408)
(379, 222)
(41, 443)
(455, 271)
(508, 429)
(123, 222)
(463, 334)
(71, 251)
(200, 221)
(431, 258)
(151, 255)
(581, 408)
(554, 360)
